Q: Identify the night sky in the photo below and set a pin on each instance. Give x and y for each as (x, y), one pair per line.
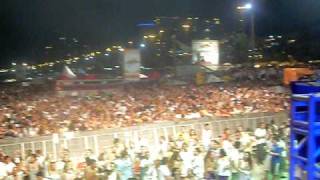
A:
(26, 26)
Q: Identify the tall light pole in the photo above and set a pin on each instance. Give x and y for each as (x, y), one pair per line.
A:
(253, 30)
(249, 7)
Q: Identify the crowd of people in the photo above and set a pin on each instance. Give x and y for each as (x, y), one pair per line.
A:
(239, 155)
(32, 111)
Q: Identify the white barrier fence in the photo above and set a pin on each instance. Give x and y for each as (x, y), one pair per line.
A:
(98, 141)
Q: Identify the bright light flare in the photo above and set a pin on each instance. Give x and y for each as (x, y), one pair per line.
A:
(245, 7)
(248, 6)
(142, 45)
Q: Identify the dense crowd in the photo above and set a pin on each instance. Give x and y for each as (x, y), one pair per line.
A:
(32, 111)
(239, 155)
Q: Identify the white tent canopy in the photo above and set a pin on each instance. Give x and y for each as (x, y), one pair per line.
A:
(67, 72)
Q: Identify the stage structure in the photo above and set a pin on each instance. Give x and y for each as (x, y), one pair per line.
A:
(305, 133)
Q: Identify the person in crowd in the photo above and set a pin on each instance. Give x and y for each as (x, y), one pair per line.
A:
(145, 165)
(245, 167)
(124, 166)
(10, 165)
(91, 170)
(186, 157)
(3, 169)
(235, 157)
(261, 138)
(206, 136)
(198, 168)
(210, 164)
(223, 166)
(33, 167)
(68, 173)
(276, 156)
(53, 172)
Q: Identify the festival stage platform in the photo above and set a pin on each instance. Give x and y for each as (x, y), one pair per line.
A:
(305, 130)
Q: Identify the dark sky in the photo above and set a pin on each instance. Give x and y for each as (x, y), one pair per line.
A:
(26, 26)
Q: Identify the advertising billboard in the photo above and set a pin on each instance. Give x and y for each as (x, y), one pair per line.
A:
(205, 51)
(131, 64)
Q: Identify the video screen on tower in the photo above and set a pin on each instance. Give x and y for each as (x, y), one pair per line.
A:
(205, 51)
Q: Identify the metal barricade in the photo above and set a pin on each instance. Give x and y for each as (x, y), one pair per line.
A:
(99, 141)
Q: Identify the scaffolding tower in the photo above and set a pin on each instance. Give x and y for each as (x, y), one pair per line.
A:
(305, 136)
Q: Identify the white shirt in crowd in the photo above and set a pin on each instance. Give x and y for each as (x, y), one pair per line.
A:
(113, 176)
(160, 173)
(206, 137)
(41, 159)
(224, 167)
(235, 157)
(145, 163)
(245, 139)
(198, 166)
(163, 146)
(227, 146)
(261, 135)
(187, 158)
(3, 170)
(10, 167)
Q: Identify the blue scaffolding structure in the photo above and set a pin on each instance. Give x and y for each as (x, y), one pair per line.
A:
(305, 135)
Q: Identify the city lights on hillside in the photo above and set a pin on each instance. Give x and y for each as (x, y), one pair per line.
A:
(291, 41)
(150, 38)
(186, 26)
